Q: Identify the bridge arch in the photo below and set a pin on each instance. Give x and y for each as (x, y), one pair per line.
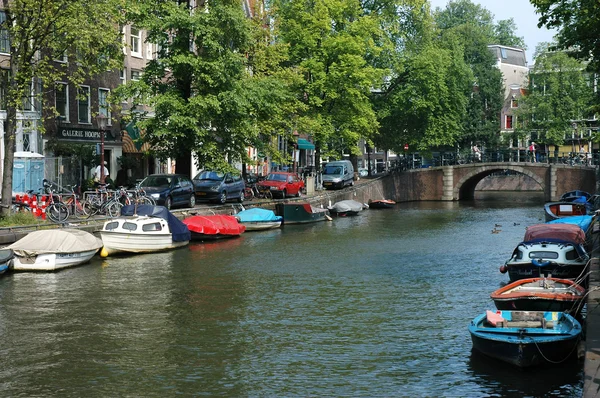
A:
(464, 188)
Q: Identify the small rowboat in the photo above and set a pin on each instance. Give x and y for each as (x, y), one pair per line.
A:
(540, 294)
(526, 338)
(381, 204)
(217, 226)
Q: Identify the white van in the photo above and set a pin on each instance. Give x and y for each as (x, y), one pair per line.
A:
(338, 174)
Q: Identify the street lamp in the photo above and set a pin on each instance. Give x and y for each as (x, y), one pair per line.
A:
(102, 121)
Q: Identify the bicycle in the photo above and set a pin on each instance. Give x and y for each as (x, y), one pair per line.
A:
(261, 192)
(103, 203)
(56, 210)
(75, 206)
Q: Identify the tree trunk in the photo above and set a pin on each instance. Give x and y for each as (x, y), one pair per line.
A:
(183, 164)
(9, 156)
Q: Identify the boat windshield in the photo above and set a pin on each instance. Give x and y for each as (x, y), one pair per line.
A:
(210, 176)
(277, 177)
(332, 170)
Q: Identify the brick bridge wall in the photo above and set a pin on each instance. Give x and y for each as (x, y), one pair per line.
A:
(458, 182)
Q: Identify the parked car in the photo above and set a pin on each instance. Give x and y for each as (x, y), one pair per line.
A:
(363, 172)
(170, 189)
(219, 187)
(283, 184)
(338, 174)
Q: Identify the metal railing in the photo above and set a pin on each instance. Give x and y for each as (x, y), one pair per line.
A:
(437, 159)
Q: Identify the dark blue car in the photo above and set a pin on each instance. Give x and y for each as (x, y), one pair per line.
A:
(170, 190)
(216, 186)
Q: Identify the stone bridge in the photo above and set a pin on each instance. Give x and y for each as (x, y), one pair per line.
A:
(458, 182)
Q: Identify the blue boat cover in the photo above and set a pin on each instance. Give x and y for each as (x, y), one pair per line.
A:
(179, 231)
(583, 222)
(257, 215)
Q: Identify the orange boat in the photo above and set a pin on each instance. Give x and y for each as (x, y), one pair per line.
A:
(540, 294)
(381, 204)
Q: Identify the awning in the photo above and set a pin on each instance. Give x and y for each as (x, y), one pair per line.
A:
(304, 144)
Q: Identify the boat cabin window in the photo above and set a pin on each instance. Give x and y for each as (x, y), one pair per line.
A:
(543, 254)
(152, 227)
(571, 254)
(130, 226)
(111, 225)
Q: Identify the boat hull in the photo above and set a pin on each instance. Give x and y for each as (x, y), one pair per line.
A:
(52, 261)
(524, 345)
(540, 294)
(555, 210)
(300, 213)
(261, 225)
(119, 242)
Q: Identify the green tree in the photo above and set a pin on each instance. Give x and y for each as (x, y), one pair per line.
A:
(37, 33)
(504, 34)
(471, 25)
(578, 22)
(215, 87)
(559, 94)
(339, 48)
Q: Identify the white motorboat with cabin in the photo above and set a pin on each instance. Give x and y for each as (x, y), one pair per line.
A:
(143, 229)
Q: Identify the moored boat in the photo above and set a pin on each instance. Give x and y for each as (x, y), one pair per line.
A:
(583, 222)
(301, 212)
(258, 219)
(214, 226)
(53, 249)
(526, 338)
(345, 208)
(540, 294)
(549, 250)
(6, 255)
(143, 229)
(554, 210)
(381, 204)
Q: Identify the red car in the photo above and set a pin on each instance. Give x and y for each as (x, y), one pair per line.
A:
(282, 184)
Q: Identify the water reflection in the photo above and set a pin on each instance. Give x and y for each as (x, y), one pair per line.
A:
(373, 305)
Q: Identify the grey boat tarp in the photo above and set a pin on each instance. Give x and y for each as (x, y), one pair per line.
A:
(63, 240)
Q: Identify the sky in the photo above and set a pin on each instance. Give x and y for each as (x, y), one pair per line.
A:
(522, 12)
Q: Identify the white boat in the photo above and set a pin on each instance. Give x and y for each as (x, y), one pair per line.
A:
(258, 219)
(143, 229)
(345, 208)
(53, 249)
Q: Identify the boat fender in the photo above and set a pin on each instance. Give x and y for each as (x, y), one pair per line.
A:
(103, 252)
(539, 263)
(503, 269)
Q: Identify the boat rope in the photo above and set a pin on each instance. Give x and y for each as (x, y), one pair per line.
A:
(576, 343)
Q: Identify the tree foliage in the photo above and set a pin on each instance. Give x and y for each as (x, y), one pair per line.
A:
(578, 22)
(41, 31)
(559, 95)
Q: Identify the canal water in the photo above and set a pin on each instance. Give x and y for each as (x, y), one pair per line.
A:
(371, 306)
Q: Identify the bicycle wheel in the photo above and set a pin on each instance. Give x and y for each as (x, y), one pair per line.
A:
(146, 200)
(113, 209)
(89, 208)
(57, 212)
(268, 194)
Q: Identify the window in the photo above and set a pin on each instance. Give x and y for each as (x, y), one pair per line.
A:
(28, 101)
(152, 227)
(123, 76)
(514, 103)
(4, 43)
(84, 104)
(103, 108)
(135, 36)
(149, 52)
(135, 75)
(129, 226)
(61, 100)
(503, 53)
(509, 122)
(111, 226)
(27, 131)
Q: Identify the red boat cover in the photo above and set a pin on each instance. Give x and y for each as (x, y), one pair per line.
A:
(567, 232)
(217, 224)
